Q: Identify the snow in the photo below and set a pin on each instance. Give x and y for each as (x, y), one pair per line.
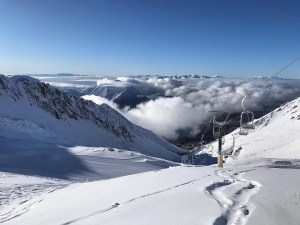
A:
(50, 175)
(247, 192)
(276, 135)
(278, 197)
(19, 190)
(139, 196)
(23, 187)
(52, 116)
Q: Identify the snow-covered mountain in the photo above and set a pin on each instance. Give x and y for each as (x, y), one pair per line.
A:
(123, 96)
(105, 91)
(175, 77)
(257, 185)
(33, 110)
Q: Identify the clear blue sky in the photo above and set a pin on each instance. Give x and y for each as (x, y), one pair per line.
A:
(120, 37)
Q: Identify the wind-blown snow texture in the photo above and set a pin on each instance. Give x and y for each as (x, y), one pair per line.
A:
(35, 109)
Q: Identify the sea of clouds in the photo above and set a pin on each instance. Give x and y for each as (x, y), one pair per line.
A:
(184, 104)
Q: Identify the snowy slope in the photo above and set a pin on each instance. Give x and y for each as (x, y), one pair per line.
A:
(276, 135)
(125, 95)
(105, 91)
(130, 97)
(247, 193)
(33, 175)
(258, 185)
(34, 110)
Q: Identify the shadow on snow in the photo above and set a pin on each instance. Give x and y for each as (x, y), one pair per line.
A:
(35, 157)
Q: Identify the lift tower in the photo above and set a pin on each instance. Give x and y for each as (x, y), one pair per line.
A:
(217, 132)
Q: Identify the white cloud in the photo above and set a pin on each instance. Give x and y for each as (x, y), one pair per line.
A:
(192, 99)
(105, 81)
(99, 100)
(165, 116)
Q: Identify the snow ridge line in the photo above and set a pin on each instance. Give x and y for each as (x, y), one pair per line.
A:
(233, 194)
(116, 205)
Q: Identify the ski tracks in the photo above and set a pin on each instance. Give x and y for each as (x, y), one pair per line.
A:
(233, 194)
(116, 205)
(19, 199)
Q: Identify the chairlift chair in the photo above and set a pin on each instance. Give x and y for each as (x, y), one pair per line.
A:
(243, 131)
(247, 120)
(217, 131)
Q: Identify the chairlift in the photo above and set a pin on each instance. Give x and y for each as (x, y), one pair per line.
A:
(184, 159)
(243, 131)
(247, 120)
(202, 143)
(216, 131)
(193, 160)
(233, 140)
(218, 126)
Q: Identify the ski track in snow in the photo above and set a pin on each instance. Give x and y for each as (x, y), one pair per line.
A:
(233, 194)
(114, 206)
(20, 198)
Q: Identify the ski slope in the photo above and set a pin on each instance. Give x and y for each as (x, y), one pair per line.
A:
(276, 135)
(111, 185)
(22, 189)
(245, 193)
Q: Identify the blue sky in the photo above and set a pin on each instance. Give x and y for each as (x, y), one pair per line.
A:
(233, 38)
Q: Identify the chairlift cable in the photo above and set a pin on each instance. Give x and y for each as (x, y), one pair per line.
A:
(274, 75)
(248, 124)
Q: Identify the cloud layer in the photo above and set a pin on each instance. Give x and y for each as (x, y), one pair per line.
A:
(184, 104)
(166, 116)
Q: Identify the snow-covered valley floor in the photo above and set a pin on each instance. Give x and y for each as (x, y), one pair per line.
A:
(245, 192)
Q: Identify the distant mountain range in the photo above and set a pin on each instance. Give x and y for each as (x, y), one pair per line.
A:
(179, 77)
(185, 76)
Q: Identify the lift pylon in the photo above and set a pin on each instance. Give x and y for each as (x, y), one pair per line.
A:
(217, 132)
